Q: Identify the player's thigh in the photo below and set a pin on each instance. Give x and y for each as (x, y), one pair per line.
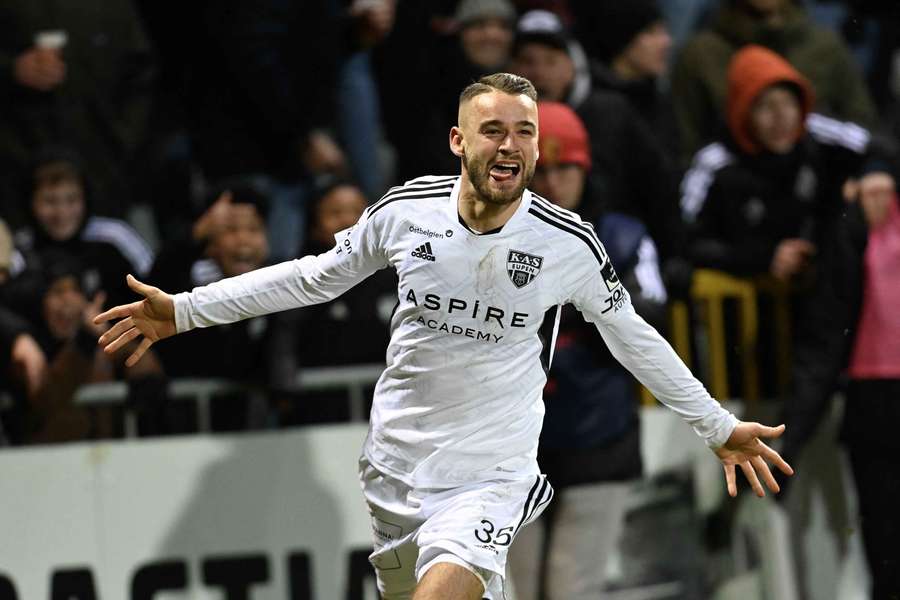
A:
(449, 581)
(476, 526)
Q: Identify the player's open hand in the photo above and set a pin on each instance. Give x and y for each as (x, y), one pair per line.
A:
(745, 449)
(153, 318)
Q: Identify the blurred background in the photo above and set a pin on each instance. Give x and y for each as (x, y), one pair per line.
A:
(737, 158)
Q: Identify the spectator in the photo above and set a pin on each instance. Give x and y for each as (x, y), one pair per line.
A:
(629, 173)
(76, 74)
(359, 114)
(590, 443)
(630, 43)
(68, 300)
(352, 329)
(486, 33)
(755, 201)
(62, 223)
(65, 335)
(228, 239)
(479, 43)
(699, 79)
(260, 101)
(871, 232)
(857, 334)
(768, 201)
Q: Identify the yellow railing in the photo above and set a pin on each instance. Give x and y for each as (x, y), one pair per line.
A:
(709, 291)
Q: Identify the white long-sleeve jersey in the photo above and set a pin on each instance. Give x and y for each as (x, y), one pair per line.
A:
(460, 397)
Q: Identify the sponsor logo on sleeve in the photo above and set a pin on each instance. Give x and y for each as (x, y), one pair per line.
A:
(610, 278)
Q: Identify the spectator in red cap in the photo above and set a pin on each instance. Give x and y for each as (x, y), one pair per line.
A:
(565, 155)
(590, 444)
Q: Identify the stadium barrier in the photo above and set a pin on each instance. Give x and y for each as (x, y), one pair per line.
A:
(352, 378)
(278, 514)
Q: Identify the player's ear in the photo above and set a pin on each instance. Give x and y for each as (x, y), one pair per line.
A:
(456, 141)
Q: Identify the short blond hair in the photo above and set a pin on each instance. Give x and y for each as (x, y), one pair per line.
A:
(499, 82)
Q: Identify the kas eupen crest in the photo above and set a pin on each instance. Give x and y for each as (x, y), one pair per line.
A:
(522, 268)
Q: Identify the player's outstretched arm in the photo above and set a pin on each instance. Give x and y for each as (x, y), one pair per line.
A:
(745, 449)
(153, 318)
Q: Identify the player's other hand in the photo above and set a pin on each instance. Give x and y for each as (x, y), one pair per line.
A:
(745, 449)
(153, 318)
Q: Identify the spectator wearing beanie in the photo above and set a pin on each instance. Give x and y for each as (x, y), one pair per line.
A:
(629, 44)
(481, 45)
(699, 82)
(590, 443)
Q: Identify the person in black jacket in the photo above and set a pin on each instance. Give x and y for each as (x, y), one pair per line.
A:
(78, 74)
(349, 330)
(771, 200)
(755, 203)
(260, 98)
(62, 223)
(479, 43)
(630, 43)
(228, 239)
(629, 171)
(57, 352)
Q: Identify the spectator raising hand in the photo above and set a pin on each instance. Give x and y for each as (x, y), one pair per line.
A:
(41, 69)
(874, 192)
(214, 219)
(791, 256)
(375, 19)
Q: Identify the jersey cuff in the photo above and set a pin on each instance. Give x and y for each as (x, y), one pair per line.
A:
(721, 431)
(183, 308)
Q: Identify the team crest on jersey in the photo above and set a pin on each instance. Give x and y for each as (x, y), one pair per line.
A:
(610, 278)
(522, 267)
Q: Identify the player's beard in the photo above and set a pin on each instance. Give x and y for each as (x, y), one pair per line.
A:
(480, 177)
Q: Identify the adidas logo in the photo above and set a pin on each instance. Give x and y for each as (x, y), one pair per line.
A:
(424, 252)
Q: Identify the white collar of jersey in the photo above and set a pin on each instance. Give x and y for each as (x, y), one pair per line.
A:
(453, 208)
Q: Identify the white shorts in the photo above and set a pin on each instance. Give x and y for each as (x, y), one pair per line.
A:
(471, 526)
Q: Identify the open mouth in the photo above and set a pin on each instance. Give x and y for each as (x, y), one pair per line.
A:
(503, 171)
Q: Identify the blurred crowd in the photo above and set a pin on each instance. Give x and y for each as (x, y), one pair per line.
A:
(187, 142)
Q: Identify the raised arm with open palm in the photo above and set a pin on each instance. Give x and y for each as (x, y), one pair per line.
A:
(153, 318)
